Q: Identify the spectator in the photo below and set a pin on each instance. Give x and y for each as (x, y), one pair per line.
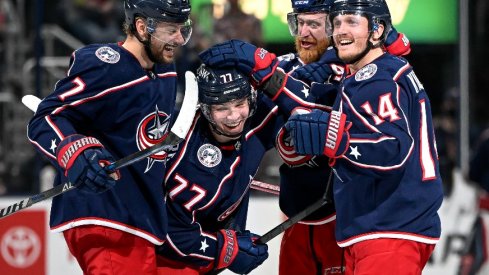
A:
(93, 21)
(237, 24)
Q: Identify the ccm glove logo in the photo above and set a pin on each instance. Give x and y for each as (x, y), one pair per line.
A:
(262, 53)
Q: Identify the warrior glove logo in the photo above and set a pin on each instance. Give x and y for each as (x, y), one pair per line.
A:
(334, 125)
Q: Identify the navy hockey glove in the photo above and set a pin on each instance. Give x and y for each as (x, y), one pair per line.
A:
(397, 43)
(313, 72)
(83, 159)
(252, 61)
(319, 133)
(327, 69)
(238, 252)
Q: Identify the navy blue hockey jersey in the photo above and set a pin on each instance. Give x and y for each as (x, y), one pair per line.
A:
(303, 179)
(388, 183)
(108, 95)
(207, 185)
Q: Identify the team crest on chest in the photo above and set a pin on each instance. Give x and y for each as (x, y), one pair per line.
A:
(153, 129)
(366, 72)
(209, 155)
(108, 55)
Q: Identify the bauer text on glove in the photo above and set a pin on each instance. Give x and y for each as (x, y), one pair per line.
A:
(238, 252)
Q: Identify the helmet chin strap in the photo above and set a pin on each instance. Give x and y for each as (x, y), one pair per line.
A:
(147, 46)
(147, 49)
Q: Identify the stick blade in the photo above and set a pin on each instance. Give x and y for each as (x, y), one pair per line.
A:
(31, 102)
(189, 106)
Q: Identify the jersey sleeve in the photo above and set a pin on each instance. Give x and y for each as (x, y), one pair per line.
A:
(187, 241)
(266, 122)
(64, 111)
(380, 138)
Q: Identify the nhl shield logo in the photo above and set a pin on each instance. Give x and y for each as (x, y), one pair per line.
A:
(209, 155)
(366, 72)
(108, 55)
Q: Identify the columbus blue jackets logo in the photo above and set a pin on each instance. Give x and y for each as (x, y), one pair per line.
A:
(366, 72)
(209, 155)
(108, 55)
(153, 129)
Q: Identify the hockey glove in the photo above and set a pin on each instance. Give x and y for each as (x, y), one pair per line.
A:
(255, 62)
(83, 159)
(397, 43)
(327, 69)
(238, 252)
(319, 133)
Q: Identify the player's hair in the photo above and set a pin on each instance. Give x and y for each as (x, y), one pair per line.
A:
(376, 11)
(174, 11)
(218, 86)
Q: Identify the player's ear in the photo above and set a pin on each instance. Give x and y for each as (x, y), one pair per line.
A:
(377, 30)
(140, 26)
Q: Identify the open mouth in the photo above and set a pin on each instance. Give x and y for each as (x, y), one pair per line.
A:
(307, 44)
(169, 48)
(345, 41)
(233, 125)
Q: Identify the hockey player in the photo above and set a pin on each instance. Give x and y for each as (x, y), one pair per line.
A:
(387, 187)
(116, 99)
(380, 141)
(208, 180)
(309, 247)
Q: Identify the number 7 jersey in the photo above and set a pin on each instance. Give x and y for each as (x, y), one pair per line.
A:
(388, 183)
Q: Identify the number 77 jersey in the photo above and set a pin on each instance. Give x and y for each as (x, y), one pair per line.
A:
(388, 183)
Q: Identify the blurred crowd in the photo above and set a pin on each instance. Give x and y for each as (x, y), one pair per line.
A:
(23, 70)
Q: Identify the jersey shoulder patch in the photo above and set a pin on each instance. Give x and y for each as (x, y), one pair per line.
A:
(107, 55)
(366, 72)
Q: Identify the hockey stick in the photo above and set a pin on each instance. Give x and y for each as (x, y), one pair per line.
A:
(32, 102)
(265, 187)
(177, 134)
(279, 229)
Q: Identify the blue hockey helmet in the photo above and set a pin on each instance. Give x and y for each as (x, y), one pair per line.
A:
(306, 6)
(376, 11)
(174, 11)
(303, 6)
(218, 86)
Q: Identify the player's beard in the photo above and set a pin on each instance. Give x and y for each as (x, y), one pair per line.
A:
(354, 58)
(313, 54)
(156, 51)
